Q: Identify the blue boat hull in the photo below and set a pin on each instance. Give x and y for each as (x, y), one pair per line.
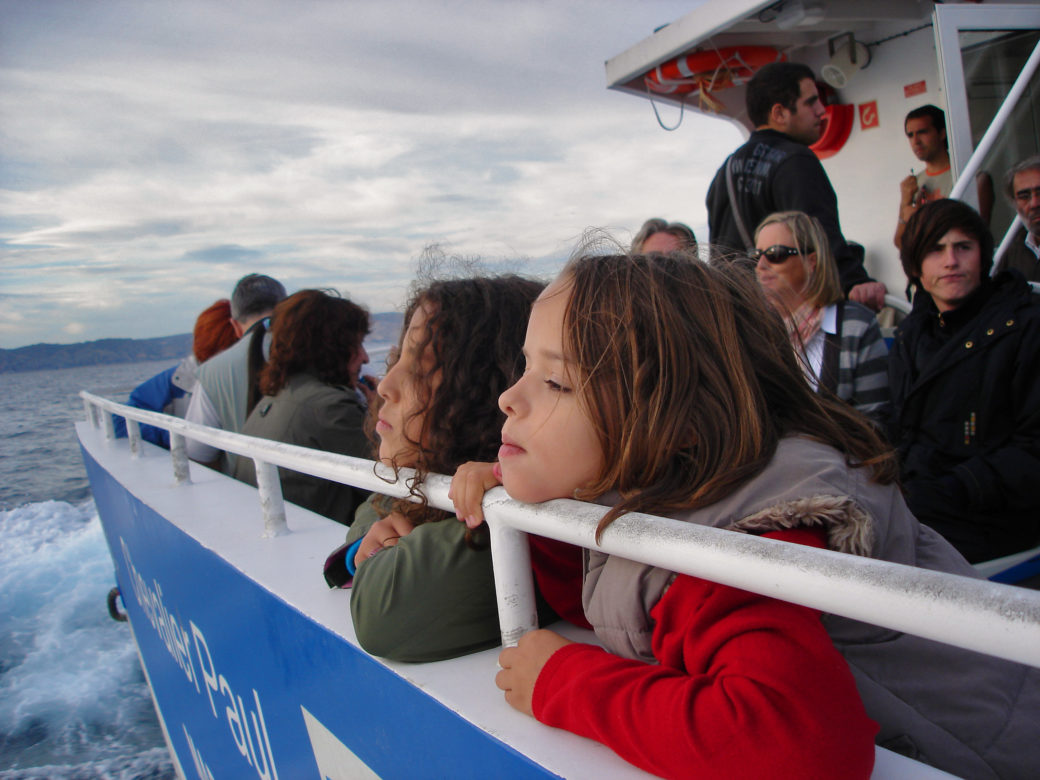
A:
(235, 670)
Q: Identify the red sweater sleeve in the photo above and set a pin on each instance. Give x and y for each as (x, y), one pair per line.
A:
(558, 570)
(745, 686)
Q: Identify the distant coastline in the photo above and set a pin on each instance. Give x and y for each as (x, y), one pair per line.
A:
(38, 357)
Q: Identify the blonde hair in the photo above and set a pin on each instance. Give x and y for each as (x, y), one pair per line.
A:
(824, 285)
(690, 382)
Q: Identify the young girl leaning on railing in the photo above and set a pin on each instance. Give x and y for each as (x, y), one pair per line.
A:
(664, 385)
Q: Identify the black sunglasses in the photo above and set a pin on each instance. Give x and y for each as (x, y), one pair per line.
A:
(776, 254)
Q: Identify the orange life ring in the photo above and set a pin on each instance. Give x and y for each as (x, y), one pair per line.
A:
(837, 127)
(708, 71)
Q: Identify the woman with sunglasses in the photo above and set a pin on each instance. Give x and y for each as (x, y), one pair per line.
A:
(838, 342)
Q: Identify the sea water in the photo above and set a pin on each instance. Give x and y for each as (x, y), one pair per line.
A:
(73, 701)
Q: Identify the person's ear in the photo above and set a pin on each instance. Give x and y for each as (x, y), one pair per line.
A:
(811, 260)
(779, 116)
(237, 327)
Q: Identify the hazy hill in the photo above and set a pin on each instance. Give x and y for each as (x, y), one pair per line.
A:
(385, 328)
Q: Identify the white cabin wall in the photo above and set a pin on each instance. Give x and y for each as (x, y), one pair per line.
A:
(867, 171)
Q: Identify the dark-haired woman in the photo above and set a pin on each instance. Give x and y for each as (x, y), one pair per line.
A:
(965, 380)
(423, 588)
(310, 396)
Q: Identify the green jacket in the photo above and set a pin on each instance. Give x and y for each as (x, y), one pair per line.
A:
(428, 598)
(310, 413)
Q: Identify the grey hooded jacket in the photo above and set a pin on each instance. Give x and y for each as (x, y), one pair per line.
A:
(967, 713)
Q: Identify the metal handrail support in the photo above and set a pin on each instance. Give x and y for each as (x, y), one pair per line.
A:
(1005, 244)
(179, 459)
(898, 303)
(266, 454)
(972, 613)
(976, 614)
(989, 138)
(133, 433)
(271, 502)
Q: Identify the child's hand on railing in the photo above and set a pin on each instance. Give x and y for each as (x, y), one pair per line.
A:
(383, 533)
(471, 481)
(522, 664)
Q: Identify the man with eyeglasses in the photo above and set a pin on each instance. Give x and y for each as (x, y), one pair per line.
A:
(1023, 187)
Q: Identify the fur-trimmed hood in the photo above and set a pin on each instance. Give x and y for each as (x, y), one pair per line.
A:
(849, 529)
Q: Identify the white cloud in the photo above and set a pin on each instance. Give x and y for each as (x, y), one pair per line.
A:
(153, 153)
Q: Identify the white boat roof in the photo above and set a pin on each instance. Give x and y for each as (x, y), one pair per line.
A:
(722, 23)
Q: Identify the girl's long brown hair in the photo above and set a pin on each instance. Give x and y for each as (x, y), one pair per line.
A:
(690, 379)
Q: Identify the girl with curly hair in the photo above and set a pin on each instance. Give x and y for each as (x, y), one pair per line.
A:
(310, 395)
(423, 588)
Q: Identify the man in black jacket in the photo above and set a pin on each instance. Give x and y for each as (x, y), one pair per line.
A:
(776, 171)
(964, 372)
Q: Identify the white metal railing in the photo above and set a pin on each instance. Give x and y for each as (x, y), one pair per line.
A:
(989, 138)
(267, 455)
(898, 303)
(1005, 244)
(999, 620)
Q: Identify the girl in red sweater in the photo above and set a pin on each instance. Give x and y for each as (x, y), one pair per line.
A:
(639, 383)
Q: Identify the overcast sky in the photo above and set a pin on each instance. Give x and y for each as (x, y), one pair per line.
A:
(151, 153)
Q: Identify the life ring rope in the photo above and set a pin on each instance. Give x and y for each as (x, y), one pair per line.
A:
(704, 72)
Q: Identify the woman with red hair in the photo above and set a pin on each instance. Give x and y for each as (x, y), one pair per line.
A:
(170, 391)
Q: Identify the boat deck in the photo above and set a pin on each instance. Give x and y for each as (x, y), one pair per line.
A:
(253, 660)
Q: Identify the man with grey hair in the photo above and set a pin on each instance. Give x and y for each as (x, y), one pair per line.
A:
(222, 392)
(1022, 185)
(253, 298)
(659, 235)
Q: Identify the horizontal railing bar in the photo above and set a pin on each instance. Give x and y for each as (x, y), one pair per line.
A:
(901, 305)
(976, 614)
(327, 465)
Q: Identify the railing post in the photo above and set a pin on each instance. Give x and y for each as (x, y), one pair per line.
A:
(179, 457)
(110, 426)
(1024, 79)
(91, 411)
(514, 584)
(133, 433)
(271, 502)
